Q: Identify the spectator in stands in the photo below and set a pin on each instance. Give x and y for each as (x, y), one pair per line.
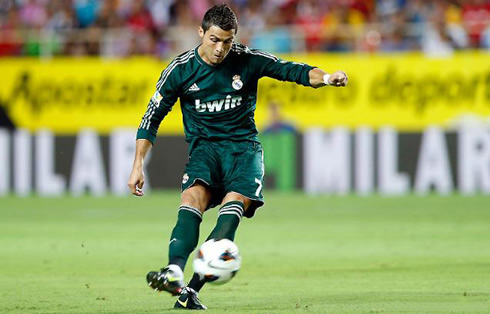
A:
(253, 17)
(310, 15)
(485, 37)
(32, 14)
(86, 11)
(109, 15)
(437, 41)
(182, 17)
(275, 37)
(83, 27)
(160, 12)
(336, 30)
(140, 19)
(395, 41)
(10, 38)
(475, 14)
(386, 8)
(60, 17)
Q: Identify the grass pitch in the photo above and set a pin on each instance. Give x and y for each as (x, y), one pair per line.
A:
(300, 254)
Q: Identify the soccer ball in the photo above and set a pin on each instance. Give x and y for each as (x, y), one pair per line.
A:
(217, 261)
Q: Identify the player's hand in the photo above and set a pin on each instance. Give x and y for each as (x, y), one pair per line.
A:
(136, 181)
(337, 79)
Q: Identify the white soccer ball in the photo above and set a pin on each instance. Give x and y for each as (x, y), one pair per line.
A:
(217, 261)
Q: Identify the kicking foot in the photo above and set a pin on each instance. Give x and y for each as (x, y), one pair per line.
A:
(170, 279)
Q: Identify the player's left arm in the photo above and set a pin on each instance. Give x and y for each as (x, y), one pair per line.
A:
(320, 78)
(300, 73)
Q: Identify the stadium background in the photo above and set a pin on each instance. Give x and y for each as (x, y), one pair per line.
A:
(76, 76)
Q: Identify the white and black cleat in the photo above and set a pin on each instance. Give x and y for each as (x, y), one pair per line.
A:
(170, 279)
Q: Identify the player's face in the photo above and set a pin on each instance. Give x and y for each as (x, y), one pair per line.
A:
(216, 43)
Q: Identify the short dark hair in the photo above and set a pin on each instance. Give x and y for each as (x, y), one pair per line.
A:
(222, 16)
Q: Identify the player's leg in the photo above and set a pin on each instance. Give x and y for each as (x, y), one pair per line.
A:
(244, 181)
(183, 240)
(229, 216)
(199, 185)
(185, 234)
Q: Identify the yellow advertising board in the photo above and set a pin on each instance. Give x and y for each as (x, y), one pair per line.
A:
(406, 91)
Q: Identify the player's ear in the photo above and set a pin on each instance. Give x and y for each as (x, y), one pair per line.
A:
(201, 32)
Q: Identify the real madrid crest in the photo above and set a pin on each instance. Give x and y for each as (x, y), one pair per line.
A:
(237, 83)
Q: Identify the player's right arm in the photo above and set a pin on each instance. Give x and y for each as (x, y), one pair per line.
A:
(137, 177)
(160, 104)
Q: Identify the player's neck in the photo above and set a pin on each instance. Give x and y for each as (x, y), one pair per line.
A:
(200, 51)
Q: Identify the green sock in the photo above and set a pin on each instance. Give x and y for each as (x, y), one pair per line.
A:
(228, 219)
(185, 235)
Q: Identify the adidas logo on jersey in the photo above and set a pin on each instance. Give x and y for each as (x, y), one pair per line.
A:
(194, 88)
(219, 105)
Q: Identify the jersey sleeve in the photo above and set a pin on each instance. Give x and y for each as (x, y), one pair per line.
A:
(283, 70)
(166, 94)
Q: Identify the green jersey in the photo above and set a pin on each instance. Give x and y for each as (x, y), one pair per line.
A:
(217, 102)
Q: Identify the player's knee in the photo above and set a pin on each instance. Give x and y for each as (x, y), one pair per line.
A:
(197, 197)
(191, 199)
(233, 196)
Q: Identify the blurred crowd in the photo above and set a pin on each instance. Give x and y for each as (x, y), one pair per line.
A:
(119, 28)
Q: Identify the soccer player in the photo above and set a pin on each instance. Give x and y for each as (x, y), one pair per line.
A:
(217, 86)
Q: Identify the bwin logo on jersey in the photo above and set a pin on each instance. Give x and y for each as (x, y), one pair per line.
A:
(219, 105)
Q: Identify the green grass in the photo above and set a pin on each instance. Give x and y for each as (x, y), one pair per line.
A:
(300, 254)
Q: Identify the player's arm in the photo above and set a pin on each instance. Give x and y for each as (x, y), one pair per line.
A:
(320, 78)
(137, 178)
(300, 73)
(158, 107)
